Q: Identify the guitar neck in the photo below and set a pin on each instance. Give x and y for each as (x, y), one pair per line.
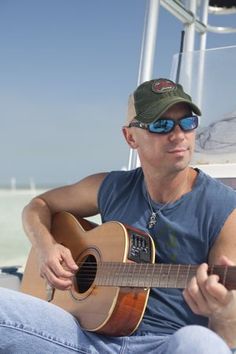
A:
(147, 275)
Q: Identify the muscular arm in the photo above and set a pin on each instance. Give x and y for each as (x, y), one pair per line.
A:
(206, 296)
(55, 261)
(223, 320)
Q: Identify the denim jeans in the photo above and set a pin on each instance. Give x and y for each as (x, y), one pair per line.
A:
(32, 326)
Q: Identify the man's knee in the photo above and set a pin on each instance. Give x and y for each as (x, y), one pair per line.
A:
(197, 340)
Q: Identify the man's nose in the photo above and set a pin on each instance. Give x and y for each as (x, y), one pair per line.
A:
(177, 133)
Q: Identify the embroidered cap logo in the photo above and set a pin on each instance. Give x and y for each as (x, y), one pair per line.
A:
(162, 86)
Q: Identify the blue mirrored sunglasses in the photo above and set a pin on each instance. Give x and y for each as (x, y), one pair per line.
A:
(166, 125)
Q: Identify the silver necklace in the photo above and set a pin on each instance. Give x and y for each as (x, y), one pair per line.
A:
(154, 214)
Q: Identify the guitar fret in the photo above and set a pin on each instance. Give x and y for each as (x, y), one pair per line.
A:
(162, 280)
(168, 279)
(137, 273)
(165, 276)
(118, 276)
(225, 275)
(172, 276)
(112, 271)
(133, 274)
(159, 276)
(152, 277)
(124, 273)
(177, 276)
(142, 276)
(183, 278)
(148, 276)
(187, 276)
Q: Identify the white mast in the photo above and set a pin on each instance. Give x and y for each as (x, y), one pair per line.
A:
(147, 57)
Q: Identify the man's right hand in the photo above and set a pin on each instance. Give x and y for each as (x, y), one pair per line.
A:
(57, 266)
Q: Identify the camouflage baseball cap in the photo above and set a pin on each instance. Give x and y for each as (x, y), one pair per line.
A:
(152, 99)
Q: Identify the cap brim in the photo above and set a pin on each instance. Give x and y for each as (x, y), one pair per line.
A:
(157, 109)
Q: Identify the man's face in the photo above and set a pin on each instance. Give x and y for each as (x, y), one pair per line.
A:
(170, 152)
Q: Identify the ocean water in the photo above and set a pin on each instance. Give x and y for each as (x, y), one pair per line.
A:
(14, 245)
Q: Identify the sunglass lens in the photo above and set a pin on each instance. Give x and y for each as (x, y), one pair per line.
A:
(161, 126)
(189, 123)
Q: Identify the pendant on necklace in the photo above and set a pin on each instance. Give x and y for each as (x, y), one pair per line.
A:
(152, 220)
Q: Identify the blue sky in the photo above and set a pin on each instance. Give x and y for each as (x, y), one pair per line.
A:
(66, 69)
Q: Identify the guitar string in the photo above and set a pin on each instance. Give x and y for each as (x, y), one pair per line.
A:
(144, 265)
(191, 269)
(220, 272)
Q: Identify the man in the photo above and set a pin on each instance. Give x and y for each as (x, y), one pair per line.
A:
(190, 216)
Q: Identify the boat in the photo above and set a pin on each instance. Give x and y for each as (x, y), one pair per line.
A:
(201, 71)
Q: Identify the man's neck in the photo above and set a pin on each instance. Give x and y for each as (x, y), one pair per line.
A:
(168, 188)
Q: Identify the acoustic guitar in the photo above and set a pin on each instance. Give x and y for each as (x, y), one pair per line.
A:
(116, 271)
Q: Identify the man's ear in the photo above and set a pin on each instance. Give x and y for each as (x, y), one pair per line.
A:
(130, 137)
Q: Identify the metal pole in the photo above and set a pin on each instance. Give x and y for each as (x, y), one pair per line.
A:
(146, 58)
(177, 9)
(203, 36)
(149, 42)
(180, 57)
(189, 45)
(203, 39)
(190, 28)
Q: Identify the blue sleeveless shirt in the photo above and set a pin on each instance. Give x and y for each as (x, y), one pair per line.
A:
(184, 234)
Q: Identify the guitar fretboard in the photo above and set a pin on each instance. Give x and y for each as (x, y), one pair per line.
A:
(145, 275)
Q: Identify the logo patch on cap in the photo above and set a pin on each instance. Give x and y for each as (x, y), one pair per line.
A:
(163, 85)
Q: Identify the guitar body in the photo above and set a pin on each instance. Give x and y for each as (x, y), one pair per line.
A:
(111, 310)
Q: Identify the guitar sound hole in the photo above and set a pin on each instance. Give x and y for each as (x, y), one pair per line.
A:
(86, 274)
